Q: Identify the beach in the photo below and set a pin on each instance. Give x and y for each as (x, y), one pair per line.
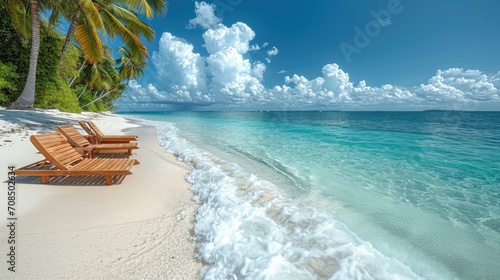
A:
(139, 228)
(261, 195)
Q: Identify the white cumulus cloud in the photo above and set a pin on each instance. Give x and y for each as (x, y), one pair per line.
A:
(224, 76)
(254, 47)
(180, 70)
(273, 51)
(234, 79)
(237, 36)
(228, 77)
(334, 88)
(459, 85)
(205, 16)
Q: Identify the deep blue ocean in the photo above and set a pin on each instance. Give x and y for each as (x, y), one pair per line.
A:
(342, 195)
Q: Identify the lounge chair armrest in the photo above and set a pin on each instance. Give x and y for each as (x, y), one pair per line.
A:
(87, 152)
(92, 139)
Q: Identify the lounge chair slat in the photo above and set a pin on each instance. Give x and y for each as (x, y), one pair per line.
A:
(100, 165)
(50, 145)
(116, 146)
(95, 164)
(86, 128)
(65, 154)
(117, 165)
(84, 165)
(55, 173)
(71, 159)
(96, 130)
(73, 136)
(103, 138)
(124, 165)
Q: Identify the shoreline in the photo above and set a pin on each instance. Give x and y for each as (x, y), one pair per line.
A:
(139, 228)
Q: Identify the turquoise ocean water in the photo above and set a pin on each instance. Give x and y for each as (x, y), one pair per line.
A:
(342, 195)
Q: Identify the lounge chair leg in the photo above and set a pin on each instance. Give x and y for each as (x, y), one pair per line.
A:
(109, 180)
(44, 179)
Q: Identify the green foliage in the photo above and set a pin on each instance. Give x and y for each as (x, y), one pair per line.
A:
(8, 77)
(14, 51)
(20, 16)
(48, 58)
(53, 76)
(52, 91)
(97, 106)
(57, 95)
(68, 68)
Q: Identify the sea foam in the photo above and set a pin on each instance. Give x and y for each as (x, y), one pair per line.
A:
(246, 228)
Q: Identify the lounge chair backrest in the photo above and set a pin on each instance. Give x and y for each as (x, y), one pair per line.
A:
(73, 136)
(55, 149)
(86, 128)
(95, 129)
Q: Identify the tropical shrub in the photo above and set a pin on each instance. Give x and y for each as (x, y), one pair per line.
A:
(8, 85)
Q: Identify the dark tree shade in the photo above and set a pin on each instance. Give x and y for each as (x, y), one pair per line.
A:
(14, 51)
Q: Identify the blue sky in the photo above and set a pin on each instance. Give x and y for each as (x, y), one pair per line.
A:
(365, 54)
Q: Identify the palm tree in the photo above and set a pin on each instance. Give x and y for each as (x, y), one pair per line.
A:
(99, 76)
(129, 65)
(90, 16)
(27, 98)
(115, 90)
(103, 79)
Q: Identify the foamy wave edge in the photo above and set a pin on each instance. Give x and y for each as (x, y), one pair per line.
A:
(246, 229)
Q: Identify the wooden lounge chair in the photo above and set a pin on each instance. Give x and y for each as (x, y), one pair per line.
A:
(102, 138)
(81, 143)
(90, 134)
(63, 160)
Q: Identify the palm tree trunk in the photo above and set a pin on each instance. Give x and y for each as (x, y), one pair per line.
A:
(27, 98)
(81, 93)
(79, 70)
(69, 35)
(97, 99)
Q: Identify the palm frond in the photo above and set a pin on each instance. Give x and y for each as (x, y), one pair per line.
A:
(131, 21)
(54, 18)
(148, 7)
(91, 10)
(88, 37)
(20, 17)
(115, 27)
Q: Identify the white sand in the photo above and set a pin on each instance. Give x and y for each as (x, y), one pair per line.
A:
(137, 229)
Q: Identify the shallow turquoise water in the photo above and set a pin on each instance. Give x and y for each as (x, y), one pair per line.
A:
(416, 192)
